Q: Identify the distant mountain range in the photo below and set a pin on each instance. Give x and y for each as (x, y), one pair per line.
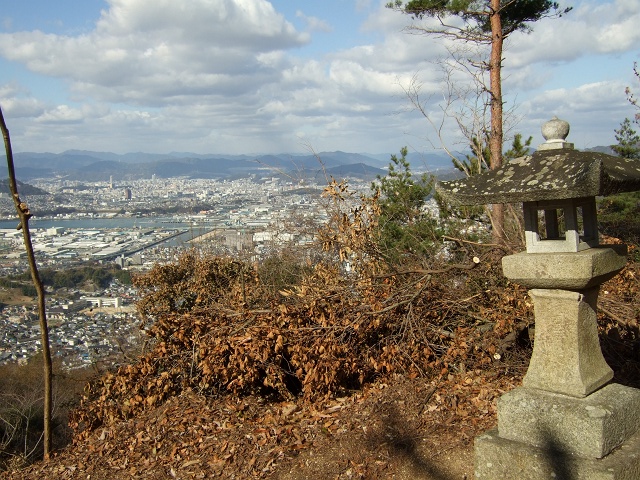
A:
(607, 150)
(101, 166)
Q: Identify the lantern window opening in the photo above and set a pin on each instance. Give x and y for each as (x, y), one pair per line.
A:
(560, 225)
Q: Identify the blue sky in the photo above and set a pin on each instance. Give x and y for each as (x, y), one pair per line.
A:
(252, 76)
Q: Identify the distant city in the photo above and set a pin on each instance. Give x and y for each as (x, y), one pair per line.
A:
(104, 221)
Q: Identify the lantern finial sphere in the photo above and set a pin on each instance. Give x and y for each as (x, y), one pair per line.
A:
(555, 130)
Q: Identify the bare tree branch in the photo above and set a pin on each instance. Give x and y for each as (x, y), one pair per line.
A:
(24, 215)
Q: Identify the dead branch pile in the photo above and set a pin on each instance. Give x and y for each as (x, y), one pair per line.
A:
(319, 340)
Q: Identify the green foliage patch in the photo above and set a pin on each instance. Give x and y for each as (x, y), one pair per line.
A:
(99, 276)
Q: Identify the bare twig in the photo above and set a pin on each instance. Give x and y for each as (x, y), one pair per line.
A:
(461, 240)
(24, 215)
(402, 302)
(612, 315)
(448, 268)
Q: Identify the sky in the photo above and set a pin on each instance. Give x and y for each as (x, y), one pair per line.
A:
(294, 76)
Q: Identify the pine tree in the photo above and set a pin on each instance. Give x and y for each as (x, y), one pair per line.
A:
(480, 158)
(628, 141)
(487, 22)
(476, 162)
(405, 228)
(518, 149)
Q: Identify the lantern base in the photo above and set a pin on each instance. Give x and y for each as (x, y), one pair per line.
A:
(499, 459)
(590, 427)
(566, 354)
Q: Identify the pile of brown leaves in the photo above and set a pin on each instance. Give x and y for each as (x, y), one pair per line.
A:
(320, 341)
(401, 422)
(218, 329)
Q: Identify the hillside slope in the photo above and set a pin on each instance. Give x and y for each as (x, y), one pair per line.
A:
(402, 424)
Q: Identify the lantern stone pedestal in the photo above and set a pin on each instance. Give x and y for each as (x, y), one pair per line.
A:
(566, 356)
(566, 422)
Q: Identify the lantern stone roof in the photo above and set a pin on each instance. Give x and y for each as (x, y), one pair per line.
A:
(548, 174)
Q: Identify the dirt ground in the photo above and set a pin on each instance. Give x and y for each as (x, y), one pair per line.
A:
(390, 434)
(402, 429)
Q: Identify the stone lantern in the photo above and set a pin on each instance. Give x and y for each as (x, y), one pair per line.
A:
(567, 421)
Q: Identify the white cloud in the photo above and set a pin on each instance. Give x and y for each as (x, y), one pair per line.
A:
(227, 75)
(17, 102)
(62, 114)
(354, 78)
(314, 24)
(154, 52)
(594, 27)
(21, 107)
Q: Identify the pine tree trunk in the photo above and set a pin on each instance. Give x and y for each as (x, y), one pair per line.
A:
(495, 87)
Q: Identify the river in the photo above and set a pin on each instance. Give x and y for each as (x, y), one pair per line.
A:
(105, 223)
(193, 230)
